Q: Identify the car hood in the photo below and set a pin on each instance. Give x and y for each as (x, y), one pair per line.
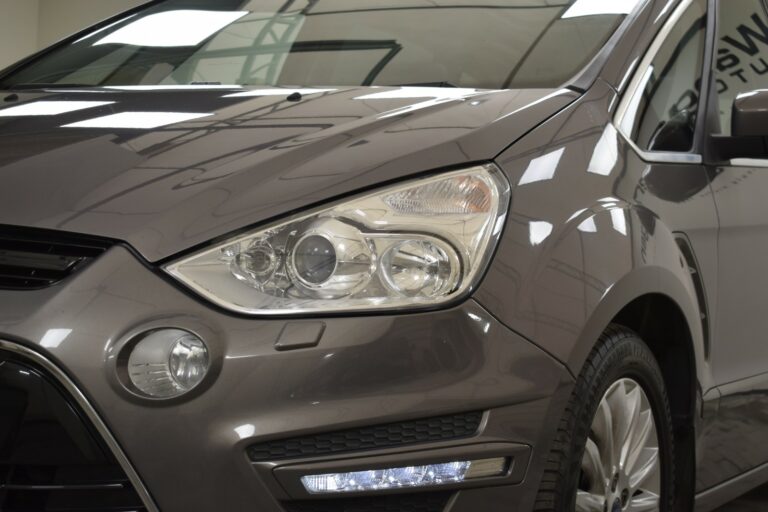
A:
(167, 169)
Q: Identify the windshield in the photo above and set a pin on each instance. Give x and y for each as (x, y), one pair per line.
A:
(493, 44)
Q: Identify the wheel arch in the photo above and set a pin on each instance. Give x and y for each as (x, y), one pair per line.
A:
(658, 308)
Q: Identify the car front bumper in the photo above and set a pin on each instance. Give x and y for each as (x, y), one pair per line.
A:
(191, 454)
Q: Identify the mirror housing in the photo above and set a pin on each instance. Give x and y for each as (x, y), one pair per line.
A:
(749, 130)
(750, 114)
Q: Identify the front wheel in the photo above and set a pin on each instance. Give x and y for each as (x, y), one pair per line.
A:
(614, 445)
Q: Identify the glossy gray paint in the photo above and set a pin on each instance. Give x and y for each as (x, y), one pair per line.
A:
(252, 159)
(364, 371)
(578, 248)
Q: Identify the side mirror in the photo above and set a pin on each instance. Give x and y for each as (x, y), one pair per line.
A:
(749, 130)
(750, 114)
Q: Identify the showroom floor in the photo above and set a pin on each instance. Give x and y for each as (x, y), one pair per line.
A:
(756, 501)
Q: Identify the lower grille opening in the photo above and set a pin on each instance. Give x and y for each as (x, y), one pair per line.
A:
(51, 459)
(426, 502)
(441, 428)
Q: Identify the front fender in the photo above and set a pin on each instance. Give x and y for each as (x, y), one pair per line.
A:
(656, 267)
(583, 274)
(590, 230)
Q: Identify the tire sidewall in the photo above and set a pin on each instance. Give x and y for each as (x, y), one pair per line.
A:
(628, 358)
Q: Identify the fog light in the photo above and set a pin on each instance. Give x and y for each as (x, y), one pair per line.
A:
(428, 475)
(168, 363)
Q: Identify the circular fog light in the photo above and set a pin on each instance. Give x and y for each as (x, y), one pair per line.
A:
(168, 363)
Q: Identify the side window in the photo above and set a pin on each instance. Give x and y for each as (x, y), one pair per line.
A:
(662, 115)
(742, 53)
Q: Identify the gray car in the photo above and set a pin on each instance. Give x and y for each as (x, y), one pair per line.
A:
(387, 256)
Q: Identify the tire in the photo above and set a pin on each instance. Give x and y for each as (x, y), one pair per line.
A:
(620, 375)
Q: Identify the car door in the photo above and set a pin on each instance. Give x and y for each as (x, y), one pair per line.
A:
(735, 441)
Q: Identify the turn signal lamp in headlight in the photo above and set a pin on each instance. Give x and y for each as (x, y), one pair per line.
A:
(428, 475)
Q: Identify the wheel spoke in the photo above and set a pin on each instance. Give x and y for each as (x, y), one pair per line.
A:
(603, 430)
(632, 408)
(648, 469)
(586, 502)
(640, 440)
(592, 465)
(644, 502)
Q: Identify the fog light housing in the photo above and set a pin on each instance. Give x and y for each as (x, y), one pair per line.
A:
(167, 363)
(409, 477)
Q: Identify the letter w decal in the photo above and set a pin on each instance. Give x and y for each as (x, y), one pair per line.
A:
(749, 35)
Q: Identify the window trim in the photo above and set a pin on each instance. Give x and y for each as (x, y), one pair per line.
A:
(637, 86)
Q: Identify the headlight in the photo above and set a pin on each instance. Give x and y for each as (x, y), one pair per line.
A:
(418, 244)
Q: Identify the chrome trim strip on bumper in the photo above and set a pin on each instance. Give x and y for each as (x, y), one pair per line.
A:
(92, 415)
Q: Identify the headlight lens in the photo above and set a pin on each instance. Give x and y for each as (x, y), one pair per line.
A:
(418, 244)
(167, 363)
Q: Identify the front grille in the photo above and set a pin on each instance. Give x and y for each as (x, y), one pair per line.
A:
(405, 433)
(427, 502)
(51, 459)
(32, 259)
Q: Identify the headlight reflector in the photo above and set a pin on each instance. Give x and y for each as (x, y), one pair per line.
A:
(418, 244)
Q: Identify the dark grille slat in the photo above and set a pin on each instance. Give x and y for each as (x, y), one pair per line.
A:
(19, 281)
(24, 272)
(405, 433)
(33, 259)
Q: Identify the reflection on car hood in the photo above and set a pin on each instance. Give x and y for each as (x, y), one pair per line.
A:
(166, 169)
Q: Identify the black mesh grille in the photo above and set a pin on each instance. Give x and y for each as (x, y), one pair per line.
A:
(429, 502)
(442, 428)
(51, 459)
(31, 259)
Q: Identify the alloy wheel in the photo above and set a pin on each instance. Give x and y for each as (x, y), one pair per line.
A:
(621, 467)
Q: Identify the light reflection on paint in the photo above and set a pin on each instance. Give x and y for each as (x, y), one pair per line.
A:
(438, 95)
(588, 226)
(619, 221)
(606, 153)
(245, 431)
(138, 120)
(539, 232)
(542, 168)
(54, 337)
